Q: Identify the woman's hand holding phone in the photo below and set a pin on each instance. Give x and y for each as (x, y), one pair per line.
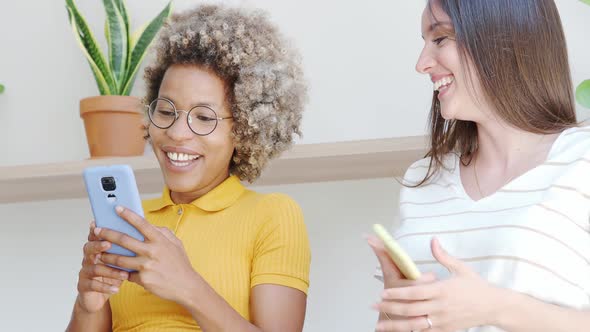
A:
(393, 278)
(161, 263)
(96, 281)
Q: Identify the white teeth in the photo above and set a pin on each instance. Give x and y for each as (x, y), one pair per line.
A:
(178, 164)
(443, 82)
(177, 156)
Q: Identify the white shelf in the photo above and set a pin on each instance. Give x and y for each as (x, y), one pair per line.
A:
(352, 160)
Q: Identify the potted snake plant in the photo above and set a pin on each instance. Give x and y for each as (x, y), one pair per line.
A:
(583, 90)
(114, 120)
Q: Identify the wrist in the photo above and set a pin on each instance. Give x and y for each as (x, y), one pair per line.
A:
(79, 308)
(504, 307)
(188, 296)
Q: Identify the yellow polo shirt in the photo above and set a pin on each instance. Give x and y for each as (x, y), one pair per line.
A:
(235, 239)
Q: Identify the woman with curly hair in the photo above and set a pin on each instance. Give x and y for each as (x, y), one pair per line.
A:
(225, 95)
(505, 186)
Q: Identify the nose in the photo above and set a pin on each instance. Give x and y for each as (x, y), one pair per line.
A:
(180, 131)
(425, 61)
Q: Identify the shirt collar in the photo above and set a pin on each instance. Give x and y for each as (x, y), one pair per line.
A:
(221, 197)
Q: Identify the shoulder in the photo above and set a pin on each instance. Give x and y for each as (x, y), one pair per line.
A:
(272, 207)
(442, 184)
(419, 169)
(279, 219)
(279, 206)
(573, 143)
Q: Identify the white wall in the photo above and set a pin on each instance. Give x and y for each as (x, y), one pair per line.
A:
(359, 57)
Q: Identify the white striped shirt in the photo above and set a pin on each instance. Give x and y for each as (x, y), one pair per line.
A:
(531, 236)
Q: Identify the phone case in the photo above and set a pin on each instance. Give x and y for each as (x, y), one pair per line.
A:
(399, 256)
(103, 202)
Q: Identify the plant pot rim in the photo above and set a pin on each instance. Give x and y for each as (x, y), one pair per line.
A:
(120, 104)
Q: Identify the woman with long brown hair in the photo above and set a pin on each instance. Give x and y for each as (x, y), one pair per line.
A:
(505, 186)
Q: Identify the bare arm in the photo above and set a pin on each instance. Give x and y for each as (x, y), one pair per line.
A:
(278, 308)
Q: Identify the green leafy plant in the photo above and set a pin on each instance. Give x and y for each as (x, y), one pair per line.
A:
(583, 90)
(1, 88)
(126, 50)
(583, 93)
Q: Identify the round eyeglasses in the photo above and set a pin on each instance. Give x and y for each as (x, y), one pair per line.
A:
(202, 120)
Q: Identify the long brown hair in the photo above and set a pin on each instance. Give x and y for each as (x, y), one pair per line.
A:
(517, 51)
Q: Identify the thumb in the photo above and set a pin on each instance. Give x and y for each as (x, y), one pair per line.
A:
(454, 265)
(388, 267)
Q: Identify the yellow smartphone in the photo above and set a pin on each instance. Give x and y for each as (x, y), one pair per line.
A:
(401, 259)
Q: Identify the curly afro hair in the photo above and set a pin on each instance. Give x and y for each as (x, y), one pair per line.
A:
(263, 75)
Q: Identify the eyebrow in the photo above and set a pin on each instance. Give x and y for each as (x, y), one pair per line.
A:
(437, 25)
(208, 104)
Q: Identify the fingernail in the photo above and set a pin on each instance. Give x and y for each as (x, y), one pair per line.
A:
(123, 275)
(435, 239)
(97, 230)
(119, 209)
(104, 244)
(114, 289)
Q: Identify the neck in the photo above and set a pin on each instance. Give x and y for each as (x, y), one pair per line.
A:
(506, 148)
(188, 197)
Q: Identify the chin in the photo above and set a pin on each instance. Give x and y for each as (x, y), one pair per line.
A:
(447, 114)
(181, 185)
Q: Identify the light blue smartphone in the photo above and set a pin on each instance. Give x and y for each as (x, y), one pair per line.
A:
(107, 187)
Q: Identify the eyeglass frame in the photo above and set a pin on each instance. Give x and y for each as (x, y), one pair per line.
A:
(177, 115)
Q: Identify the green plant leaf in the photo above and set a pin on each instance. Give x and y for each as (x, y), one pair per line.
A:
(140, 48)
(125, 15)
(103, 86)
(1, 88)
(583, 93)
(586, 1)
(136, 34)
(90, 48)
(117, 38)
(106, 32)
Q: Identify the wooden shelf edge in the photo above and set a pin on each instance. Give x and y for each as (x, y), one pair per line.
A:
(352, 160)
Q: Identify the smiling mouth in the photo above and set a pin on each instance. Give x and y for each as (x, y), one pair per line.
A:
(180, 159)
(443, 83)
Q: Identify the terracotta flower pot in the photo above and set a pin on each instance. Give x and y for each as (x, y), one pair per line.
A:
(114, 125)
